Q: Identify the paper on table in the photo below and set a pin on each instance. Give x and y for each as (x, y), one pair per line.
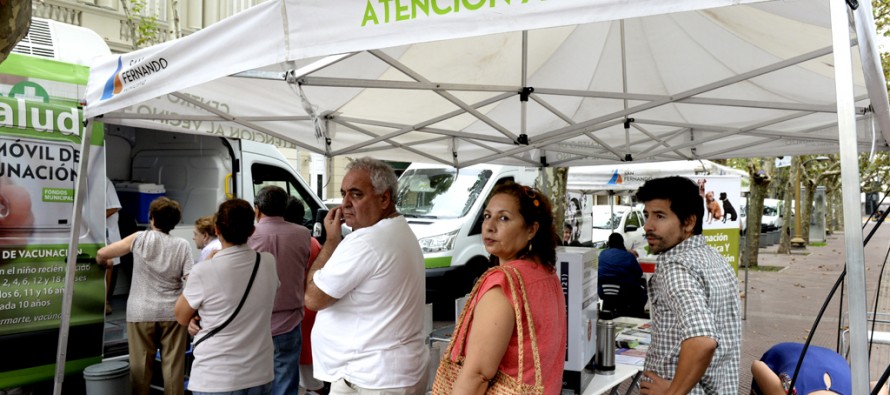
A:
(627, 356)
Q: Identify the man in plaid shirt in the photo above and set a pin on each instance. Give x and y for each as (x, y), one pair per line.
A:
(696, 327)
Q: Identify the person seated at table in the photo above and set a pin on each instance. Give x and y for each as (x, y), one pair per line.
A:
(823, 372)
(619, 269)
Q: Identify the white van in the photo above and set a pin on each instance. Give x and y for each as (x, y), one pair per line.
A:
(626, 220)
(43, 81)
(773, 215)
(443, 206)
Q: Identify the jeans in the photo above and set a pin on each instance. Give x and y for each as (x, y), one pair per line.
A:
(287, 362)
(263, 389)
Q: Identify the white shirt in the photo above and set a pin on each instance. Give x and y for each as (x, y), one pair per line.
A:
(113, 233)
(373, 335)
(214, 245)
(241, 355)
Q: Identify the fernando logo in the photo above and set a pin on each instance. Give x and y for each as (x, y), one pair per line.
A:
(138, 69)
(114, 85)
(616, 178)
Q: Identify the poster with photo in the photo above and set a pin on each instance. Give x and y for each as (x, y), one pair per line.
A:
(722, 197)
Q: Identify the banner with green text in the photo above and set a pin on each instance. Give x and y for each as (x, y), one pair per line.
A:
(40, 142)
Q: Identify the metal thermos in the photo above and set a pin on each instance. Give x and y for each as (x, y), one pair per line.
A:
(605, 343)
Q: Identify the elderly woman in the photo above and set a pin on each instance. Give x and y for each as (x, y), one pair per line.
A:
(205, 238)
(518, 230)
(236, 359)
(160, 264)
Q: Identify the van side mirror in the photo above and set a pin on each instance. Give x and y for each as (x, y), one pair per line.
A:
(318, 230)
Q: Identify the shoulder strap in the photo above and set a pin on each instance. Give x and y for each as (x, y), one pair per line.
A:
(520, 306)
(216, 330)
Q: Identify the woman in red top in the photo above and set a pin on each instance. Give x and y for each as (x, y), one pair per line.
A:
(518, 230)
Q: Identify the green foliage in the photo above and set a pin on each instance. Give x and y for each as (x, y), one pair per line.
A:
(143, 23)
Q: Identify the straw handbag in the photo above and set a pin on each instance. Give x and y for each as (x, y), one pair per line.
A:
(501, 384)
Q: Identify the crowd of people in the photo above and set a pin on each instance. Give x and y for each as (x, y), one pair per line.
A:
(271, 310)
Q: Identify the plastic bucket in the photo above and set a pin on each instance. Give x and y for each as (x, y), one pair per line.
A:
(108, 378)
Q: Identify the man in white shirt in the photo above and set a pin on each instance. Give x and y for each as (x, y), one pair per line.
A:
(368, 289)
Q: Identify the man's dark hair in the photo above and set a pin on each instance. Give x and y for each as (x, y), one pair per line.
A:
(165, 212)
(234, 219)
(295, 211)
(683, 195)
(616, 241)
(271, 201)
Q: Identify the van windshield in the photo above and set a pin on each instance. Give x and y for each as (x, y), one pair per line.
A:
(440, 193)
(600, 215)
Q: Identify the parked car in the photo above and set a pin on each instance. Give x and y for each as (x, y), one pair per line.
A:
(772, 218)
(626, 220)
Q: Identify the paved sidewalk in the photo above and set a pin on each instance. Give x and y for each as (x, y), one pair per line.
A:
(781, 306)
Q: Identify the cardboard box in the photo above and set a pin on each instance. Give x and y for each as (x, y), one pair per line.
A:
(577, 271)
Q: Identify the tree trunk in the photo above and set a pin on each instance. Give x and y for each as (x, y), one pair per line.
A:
(806, 210)
(16, 19)
(177, 29)
(785, 235)
(555, 189)
(760, 180)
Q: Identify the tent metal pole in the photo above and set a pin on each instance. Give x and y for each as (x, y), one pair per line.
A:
(571, 121)
(523, 102)
(854, 253)
(71, 259)
(231, 118)
(573, 130)
(871, 64)
(624, 87)
(446, 95)
(418, 126)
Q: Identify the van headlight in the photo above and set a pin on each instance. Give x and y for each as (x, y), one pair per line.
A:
(599, 244)
(438, 243)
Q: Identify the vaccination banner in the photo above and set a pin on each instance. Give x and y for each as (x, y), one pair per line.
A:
(721, 226)
(40, 140)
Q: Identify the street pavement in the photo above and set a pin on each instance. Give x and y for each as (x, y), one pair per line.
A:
(782, 305)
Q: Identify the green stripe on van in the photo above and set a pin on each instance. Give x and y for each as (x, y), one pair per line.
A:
(435, 263)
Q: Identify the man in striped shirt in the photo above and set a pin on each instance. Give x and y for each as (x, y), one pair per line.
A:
(696, 327)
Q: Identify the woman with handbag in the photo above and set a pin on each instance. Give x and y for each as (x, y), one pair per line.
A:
(511, 335)
(233, 294)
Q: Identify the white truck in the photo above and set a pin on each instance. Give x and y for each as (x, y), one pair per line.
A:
(444, 206)
(40, 147)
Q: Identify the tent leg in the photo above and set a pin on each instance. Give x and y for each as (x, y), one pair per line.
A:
(71, 260)
(854, 252)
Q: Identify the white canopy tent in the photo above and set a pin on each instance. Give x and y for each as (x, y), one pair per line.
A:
(751, 80)
(526, 82)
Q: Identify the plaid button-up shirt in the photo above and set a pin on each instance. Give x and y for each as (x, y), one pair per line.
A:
(694, 292)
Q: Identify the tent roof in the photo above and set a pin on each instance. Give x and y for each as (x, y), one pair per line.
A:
(669, 82)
